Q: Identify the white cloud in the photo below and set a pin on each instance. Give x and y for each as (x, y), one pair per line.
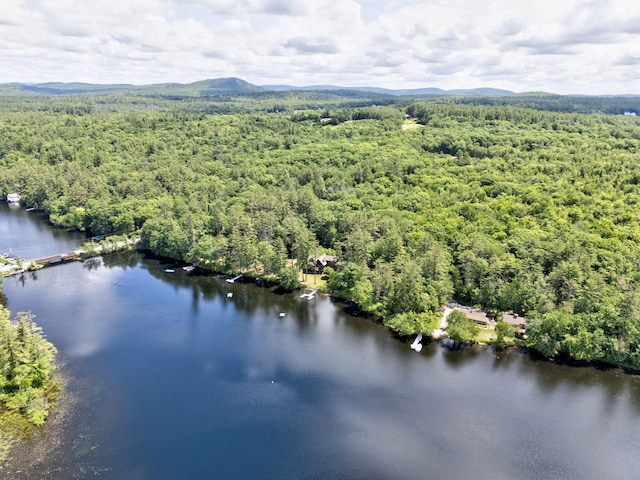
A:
(566, 46)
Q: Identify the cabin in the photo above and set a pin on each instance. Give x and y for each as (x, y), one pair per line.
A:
(317, 263)
(478, 316)
(515, 320)
(520, 323)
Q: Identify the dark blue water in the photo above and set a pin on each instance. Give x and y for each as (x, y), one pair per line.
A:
(27, 234)
(170, 379)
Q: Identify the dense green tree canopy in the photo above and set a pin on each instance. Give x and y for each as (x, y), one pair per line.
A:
(501, 206)
(26, 366)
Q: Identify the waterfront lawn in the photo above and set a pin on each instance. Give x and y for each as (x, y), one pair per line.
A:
(316, 282)
(486, 334)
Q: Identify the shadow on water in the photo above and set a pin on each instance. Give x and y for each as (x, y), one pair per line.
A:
(552, 375)
(457, 355)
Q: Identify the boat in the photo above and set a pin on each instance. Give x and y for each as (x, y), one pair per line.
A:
(189, 268)
(169, 270)
(13, 198)
(230, 295)
(416, 345)
(310, 295)
(282, 314)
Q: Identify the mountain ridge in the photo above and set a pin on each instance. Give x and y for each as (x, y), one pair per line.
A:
(222, 86)
(395, 92)
(216, 86)
(238, 86)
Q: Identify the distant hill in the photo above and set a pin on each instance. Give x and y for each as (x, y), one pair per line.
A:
(59, 88)
(219, 86)
(228, 86)
(480, 92)
(237, 86)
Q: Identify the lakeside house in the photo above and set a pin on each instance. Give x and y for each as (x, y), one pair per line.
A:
(317, 263)
(482, 318)
(515, 320)
(520, 323)
(478, 316)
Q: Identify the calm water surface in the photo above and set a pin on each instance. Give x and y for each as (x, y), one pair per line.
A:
(170, 379)
(27, 234)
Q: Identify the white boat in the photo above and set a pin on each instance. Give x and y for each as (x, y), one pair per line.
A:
(169, 270)
(282, 314)
(13, 198)
(230, 295)
(189, 268)
(416, 345)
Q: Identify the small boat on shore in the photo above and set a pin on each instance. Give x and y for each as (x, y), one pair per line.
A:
(310, 295)
(416, 345)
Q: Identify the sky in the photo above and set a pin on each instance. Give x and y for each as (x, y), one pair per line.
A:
(560, 46)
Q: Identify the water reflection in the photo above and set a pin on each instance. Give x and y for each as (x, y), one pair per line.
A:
(28, 235)
(166, 363)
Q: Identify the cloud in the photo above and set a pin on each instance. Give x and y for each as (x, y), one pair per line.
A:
(217, 54)
(628, 60)
(253, 7)
(514, 44)
(542, 47)
(308, 46)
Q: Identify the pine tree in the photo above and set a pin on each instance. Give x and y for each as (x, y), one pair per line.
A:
(26, 366)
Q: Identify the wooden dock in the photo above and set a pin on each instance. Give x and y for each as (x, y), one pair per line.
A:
(55, 259)
(21, 266)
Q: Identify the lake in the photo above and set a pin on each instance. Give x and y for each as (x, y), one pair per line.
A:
(167, 378)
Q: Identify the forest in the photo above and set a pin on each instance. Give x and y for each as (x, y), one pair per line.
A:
(512, 206)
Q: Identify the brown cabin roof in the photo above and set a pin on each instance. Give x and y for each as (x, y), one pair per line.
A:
(514, 319)
(474, 314)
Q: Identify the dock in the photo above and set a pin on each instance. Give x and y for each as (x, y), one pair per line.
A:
(441, 331)
(17, 266)
(54, 259)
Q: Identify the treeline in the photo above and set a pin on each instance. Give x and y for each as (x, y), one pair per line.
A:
(615, 105)
(508, 208)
